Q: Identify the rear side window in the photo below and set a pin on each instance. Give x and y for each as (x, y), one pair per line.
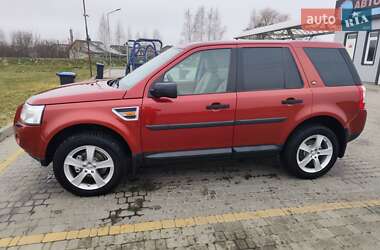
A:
(266, 69)
(334, 66)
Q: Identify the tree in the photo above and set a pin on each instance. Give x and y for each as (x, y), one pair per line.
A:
(4, 48)
(187, 30)
(205, 25)
(22, 43)
(77, 35)
(265, 17)
(214, 28)
(156, 34)
(103, 31)
(27, 44)
(209, 23)
(119, 34)
(199, 24)
(129, 34)
(2, 37)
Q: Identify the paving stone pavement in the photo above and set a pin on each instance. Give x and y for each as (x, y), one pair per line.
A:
(32, 202)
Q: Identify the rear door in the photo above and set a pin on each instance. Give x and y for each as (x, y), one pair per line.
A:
(272, 96)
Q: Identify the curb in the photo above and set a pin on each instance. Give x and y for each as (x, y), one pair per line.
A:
(6, 132)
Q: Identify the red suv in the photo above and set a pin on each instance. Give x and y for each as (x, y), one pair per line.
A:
(303, 100)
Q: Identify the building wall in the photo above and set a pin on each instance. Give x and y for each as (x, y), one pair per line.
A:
(368, 73)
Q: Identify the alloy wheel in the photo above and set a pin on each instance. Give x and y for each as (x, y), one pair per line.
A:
(88, 167)
(315, 153)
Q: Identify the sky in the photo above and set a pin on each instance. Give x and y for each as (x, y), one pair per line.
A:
(52, 19)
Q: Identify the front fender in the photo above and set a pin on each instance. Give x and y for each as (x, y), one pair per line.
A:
(59, 117)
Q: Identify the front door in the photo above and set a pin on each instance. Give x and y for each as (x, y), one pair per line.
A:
(201, 119)
(271, 96)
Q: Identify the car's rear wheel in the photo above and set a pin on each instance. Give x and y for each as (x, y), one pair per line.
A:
(311, 152)
(89, 164)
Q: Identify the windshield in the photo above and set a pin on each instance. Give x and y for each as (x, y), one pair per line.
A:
(143, 71)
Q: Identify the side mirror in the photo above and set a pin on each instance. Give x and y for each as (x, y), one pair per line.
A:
(167, 89)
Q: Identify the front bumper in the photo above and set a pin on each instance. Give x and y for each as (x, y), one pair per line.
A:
(29, 139)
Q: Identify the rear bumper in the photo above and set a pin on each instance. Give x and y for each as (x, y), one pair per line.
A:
(356, 126)
(354, 130)
(351, 137)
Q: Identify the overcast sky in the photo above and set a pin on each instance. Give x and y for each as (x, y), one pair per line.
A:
(52, 19)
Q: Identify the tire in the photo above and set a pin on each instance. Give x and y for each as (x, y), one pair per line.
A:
(79, 174)
(301, 154)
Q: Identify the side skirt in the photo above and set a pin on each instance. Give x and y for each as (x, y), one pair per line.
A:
(207, 154)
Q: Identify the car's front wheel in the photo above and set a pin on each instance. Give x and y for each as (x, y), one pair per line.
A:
(89, 164)
(311, 151)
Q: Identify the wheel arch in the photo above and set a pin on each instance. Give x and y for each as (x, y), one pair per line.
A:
(330, 122)
(58, 137)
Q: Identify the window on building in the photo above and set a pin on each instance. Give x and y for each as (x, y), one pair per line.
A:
(350, 44)
(371, 47)
(267, 68)
(334, 66)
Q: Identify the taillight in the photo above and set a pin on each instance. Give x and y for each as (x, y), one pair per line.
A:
(362, 91)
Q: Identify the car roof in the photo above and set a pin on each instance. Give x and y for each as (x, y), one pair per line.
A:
(294, 43)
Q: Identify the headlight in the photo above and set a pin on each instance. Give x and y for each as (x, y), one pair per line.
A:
(32, 114)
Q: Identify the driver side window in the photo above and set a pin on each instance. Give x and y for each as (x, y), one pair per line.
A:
(203, 72)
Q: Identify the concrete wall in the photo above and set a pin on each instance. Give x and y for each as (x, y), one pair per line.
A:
(367, 72)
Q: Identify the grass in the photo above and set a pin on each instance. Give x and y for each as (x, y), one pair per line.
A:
(22, 77)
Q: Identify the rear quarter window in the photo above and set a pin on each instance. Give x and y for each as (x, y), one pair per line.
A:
(334, 66)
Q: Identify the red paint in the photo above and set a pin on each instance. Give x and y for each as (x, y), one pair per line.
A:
(92, 103)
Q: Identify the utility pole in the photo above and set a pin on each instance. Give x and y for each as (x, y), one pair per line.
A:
(109, 38)
(87, 37)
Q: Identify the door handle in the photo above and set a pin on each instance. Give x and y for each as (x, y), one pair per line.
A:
(292, 101)
(217, 106)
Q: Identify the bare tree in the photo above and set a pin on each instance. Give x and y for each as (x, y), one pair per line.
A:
(27, 44)
(49, 49)
(187, 30)
(2, 37)
(129, 34)
(156, 34)
(253, 20)
(266, 17)
(119, 34)
(77, 35)
(4, 48)
(209, 22)
(22, 42)
(103, 31)
(214, 28)
(199, 22)
(205, 25)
